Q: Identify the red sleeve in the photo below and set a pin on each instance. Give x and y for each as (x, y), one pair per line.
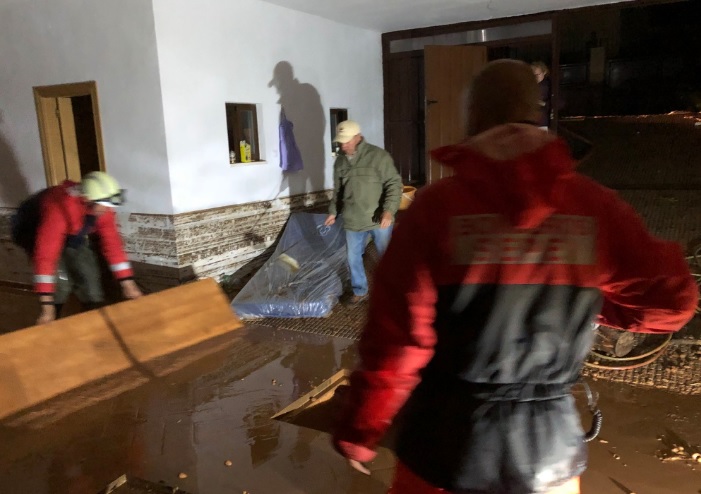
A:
(646, 282)
(111, 244)
(397, 341)
(50, 241)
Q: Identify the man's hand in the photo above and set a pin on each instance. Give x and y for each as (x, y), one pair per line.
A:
(330, 220)
(386, 219)
(48, 314)
(356, 465)
(130, 290)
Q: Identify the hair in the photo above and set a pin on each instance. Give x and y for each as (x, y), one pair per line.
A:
(543, 68)
(504, 91)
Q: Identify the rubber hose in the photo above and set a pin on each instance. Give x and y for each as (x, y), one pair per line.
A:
(658, 348)
(624, 367)
(597, 420)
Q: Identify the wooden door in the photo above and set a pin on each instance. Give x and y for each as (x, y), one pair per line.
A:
(448, 71)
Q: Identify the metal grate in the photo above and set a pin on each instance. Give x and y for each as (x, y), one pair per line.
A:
(678, 370)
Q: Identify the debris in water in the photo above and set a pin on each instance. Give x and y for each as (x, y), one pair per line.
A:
(182, 475)
(228, 463)
(603, 441)
(274, 382)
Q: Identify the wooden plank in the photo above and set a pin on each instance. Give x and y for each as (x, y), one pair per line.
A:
(323, 392)
(183, 316)
(42, 362)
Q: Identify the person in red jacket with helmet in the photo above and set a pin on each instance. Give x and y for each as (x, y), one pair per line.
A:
(479, 330)
(62, 258)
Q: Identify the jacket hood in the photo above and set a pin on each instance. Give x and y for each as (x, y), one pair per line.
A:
(518, 170)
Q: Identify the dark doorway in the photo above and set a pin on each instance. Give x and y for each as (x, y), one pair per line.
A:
(85, 134)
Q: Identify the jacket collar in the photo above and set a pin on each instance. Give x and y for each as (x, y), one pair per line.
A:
(359, 151)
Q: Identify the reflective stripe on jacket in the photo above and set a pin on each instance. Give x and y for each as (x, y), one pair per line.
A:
(63, 213)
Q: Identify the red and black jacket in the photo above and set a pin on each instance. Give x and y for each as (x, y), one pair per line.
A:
(63, 213)
(481, 315)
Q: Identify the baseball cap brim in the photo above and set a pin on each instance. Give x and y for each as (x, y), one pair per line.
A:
(343, 138)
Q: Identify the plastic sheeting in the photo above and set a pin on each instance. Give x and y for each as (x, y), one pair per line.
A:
(305, 275)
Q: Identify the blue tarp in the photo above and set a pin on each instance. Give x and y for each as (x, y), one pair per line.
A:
(305, 275)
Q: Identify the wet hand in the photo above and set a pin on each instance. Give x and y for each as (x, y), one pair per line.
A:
(330, 220)
(130, 290)
(356, 465)
(385, 219)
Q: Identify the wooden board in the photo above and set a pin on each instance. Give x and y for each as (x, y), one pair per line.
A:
(42, 362)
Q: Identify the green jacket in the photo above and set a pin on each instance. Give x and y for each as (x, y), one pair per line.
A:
(365, 187)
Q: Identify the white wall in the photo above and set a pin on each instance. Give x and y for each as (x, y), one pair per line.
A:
(217, 51)
(45, 42)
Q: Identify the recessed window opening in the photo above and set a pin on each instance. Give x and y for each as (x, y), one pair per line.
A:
(337, 115)
(242, 130)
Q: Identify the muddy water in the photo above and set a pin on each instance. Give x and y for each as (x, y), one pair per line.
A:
(634, 451)
(19, 308)
(193, 422)
(218, 410)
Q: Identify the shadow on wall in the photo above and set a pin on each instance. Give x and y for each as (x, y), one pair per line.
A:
(302, 106)
(13, 185)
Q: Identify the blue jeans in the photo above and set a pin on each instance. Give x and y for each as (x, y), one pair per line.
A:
(355, 246)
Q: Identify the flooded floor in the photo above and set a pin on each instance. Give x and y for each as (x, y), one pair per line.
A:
(194, 421)
(207, 430)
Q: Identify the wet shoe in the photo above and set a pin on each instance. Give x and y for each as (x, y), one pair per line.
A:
(356, 299)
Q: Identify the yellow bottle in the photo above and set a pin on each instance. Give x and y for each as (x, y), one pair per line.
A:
(245, 156)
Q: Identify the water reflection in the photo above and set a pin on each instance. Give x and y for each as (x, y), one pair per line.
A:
(262, 433)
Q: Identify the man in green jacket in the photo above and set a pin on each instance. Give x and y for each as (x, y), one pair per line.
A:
(367, 192)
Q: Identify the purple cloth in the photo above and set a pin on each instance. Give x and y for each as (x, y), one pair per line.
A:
(290, 157)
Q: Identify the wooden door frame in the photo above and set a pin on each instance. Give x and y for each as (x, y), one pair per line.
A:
(87, 88)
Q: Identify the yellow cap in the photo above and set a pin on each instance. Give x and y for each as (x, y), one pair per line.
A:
(346, 130)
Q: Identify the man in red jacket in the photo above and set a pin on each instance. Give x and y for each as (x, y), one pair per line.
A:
(62, 258)
(480, 329)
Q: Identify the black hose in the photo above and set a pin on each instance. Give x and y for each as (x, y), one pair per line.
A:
(597, 420)
(597, 416)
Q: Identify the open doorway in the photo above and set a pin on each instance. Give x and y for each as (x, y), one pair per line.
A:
(70, 132)
(424, 91)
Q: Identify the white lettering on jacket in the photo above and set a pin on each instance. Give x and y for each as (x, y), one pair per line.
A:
(490, 239)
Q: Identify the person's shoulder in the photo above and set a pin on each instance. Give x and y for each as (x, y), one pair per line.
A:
(594, 198)
(372, 147)
(377, 151)
(56, 193)
(590, 186)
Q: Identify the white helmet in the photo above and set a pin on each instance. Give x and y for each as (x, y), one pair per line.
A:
(100, 188)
